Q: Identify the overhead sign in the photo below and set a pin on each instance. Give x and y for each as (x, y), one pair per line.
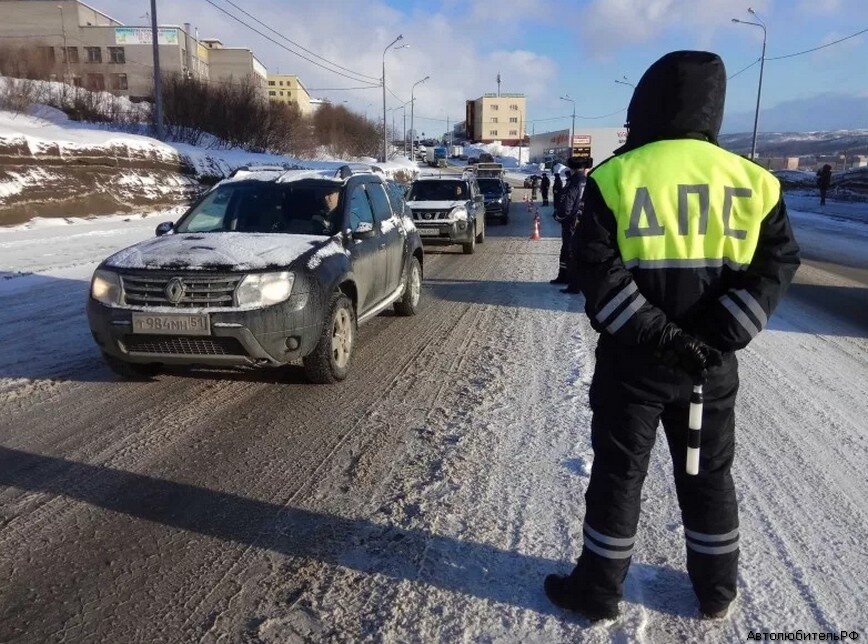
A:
(581, 139)
(142, 36)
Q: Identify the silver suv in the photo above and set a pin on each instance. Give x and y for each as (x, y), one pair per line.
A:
(448, 210)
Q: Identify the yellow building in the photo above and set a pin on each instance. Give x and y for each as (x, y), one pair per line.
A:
(497, 117)
(287, 88)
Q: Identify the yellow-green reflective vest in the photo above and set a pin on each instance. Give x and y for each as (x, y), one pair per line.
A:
(685, 203)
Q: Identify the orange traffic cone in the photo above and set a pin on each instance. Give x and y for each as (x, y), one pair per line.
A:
(535, 236)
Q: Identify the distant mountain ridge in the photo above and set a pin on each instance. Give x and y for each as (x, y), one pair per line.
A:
(794, 144)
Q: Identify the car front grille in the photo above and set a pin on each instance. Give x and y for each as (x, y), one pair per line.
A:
(430, 215)
(183, 346)
(198, 291)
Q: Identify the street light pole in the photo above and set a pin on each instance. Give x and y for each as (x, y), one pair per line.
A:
(566, 97)
(385, 145)
(404, 111)
(759, 23)
(412, 116)
(625, 82)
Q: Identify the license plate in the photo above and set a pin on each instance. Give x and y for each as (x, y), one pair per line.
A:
(429, 232)
(172, 324)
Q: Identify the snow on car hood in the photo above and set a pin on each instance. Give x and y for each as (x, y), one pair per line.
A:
(202, 251)
(436, 205)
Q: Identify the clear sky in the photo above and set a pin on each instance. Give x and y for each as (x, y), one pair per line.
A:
(547, 49)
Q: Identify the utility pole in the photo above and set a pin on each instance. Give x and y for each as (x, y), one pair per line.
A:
(520, 136)
(412, 116)
(65, 48)
(158, 87)
(404, 109)
(566, 97)
(498, 84)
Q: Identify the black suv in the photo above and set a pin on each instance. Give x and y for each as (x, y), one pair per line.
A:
(497, 197)
(267, 268)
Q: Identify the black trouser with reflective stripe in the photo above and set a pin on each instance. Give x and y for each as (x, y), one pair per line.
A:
(566, 249)
(630, 393)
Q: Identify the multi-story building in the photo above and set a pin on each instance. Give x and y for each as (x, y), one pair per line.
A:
(85, 47)
(287, 88)
(497, 117)
(235, 65)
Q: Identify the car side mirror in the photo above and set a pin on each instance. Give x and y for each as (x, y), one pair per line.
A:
(164, 228)
(364, 230)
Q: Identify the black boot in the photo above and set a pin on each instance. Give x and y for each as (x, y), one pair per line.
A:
(713, 612)
(562, 592)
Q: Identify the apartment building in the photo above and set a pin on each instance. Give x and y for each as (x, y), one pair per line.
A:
(497, 117)
(235, 65)
(88, 48)
(288, 88)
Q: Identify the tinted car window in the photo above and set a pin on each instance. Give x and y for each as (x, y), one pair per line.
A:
(396, 197)
(380, 202)
(490, 185)
(360, 208)
(301, 208)
(439, 191)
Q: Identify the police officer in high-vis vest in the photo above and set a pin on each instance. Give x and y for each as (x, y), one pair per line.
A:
(684, 252)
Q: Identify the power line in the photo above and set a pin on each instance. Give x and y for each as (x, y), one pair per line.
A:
(808, 51)
(744, 69)
(323, 58)
(282, 46)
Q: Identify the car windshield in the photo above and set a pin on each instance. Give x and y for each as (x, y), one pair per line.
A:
(438, 191)
(297, 208)
(490, 185)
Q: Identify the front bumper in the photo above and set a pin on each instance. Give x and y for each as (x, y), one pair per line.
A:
(495, 207)
(238, 338)
(445, 232)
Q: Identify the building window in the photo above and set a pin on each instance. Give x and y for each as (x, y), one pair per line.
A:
(271, 92)
(513, 132)
(281, 83)
(513, 119)
(494, 108)
(271, 83)
(492, 133)
(117, 55)
(118, 81)
(76, 81)
(46, 55)
(94, 54)
(514, 108)
(494, 119)
(70, 54)
(94, 82)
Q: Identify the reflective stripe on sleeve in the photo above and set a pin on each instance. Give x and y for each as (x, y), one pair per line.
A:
(616, 301)
(626, 314)
(609, 541)
(739, 315)
(605, 552)
(605, 546)
(701, 536)
(713, 550)
(754, 306)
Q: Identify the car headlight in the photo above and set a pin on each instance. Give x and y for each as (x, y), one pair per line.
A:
(458, 212)
(264, 289)
(105, 287)
(498, 200)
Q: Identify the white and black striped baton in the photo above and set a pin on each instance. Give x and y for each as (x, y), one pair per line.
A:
(694, 430)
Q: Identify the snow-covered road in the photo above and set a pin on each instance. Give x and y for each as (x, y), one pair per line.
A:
(425, 498)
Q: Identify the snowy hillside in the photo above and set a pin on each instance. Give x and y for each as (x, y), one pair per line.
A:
(799, 143)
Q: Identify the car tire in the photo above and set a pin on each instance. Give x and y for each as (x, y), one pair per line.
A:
(130, 370)
(480, 238)
(330, 360)
(504, 218)
(409, 302)
(470, 247)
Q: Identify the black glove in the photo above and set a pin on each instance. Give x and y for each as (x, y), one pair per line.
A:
(677, 349)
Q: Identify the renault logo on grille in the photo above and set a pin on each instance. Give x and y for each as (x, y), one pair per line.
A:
(175, 290)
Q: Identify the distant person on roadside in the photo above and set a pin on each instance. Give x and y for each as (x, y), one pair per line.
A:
(824, 180)
(557, 188)
(567, 214)
(534, 187)
(545, 183)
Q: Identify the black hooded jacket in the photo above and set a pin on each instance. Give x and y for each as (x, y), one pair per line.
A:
(676, 229)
